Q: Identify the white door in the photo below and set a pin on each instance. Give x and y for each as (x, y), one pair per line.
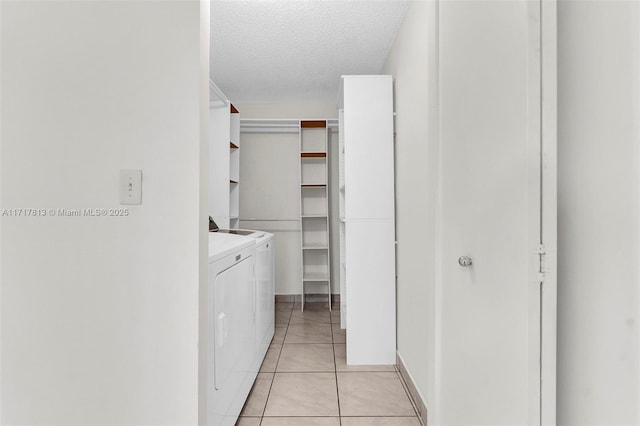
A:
(488, 369)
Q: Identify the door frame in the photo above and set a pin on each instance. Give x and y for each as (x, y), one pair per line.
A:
(549, 225)
(543, 49)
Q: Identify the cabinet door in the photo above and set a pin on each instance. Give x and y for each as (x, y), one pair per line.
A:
(371, 292)
(368, 150)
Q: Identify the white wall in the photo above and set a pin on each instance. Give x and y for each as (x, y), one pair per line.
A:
(100, 314)
(269, 199)
(416, 100)
(269, 174)
(599, 240)
(599, 226)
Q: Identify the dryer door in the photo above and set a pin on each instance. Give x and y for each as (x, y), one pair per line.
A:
(232, 326)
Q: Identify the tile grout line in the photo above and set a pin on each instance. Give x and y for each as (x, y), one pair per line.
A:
(335, 370)
(333, 344)
(408, 394)
(273, 379)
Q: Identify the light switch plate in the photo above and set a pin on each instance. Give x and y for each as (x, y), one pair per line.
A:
(130, 186)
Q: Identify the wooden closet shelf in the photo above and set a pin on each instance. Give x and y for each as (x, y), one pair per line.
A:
(313, 123)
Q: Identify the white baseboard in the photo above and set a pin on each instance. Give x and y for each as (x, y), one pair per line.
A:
(418, 400)
(311, 298)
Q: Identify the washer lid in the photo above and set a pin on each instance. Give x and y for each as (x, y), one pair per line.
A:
(220, 245)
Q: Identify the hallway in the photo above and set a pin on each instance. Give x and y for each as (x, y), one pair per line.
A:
(304, 379)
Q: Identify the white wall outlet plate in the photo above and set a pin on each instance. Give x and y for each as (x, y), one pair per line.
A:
(130, 186)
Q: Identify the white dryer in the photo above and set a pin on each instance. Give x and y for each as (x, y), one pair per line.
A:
(265, 291)
(231, 329)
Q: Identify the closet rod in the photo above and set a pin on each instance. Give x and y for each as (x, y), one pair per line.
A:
(253, 219)
(275, 125)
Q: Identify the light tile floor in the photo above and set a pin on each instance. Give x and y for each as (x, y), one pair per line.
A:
(305, 381)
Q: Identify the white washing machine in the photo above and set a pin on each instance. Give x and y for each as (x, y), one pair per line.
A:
(231, 326)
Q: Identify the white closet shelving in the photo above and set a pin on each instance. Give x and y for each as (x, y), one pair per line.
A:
(219, 156)
(234, 168)
(224, 159)
(314, 207)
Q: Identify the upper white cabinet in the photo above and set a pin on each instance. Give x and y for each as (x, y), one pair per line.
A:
(368, 132)
(367, 222)
(224, 159)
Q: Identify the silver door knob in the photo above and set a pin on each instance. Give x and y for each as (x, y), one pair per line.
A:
(465, 261)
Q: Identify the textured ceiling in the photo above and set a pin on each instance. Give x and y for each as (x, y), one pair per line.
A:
(277, 51)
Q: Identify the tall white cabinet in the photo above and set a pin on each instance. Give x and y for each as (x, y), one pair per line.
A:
(367, 222)
(224, 159)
